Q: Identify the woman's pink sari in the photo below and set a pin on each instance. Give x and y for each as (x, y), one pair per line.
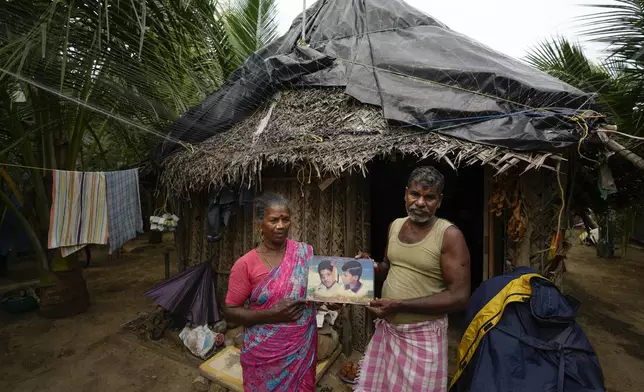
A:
(282, 357)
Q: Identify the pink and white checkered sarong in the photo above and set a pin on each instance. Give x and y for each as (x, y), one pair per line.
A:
(405, 358)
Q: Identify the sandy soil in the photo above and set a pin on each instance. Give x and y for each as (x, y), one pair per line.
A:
(87, 352)
(612, 312)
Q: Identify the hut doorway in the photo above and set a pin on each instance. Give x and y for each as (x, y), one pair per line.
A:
(463, 204)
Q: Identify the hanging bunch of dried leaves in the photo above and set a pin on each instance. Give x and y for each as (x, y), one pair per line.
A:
(501, 200)
(497, 201)
(518, 223)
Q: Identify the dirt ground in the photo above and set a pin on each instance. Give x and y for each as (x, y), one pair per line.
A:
(87, 352)
(612, 312)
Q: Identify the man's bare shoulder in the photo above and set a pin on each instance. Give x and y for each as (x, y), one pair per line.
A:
(452, 232)
(453, 237)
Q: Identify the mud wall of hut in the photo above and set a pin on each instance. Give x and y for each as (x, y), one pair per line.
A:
(334, 220)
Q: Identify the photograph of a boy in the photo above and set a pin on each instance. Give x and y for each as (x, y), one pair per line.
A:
(351, 274)
(328, 286)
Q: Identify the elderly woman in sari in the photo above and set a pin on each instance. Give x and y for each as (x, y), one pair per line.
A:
(280, 335)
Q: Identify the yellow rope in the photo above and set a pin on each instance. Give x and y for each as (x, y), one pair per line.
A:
(188, 147)
(582, 124)
(562, 193)
(563, 196)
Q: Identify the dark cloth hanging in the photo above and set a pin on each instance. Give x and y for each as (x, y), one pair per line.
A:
(222, 207)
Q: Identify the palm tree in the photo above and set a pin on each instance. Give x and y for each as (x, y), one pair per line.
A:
(619, 81)
(93, 84)
(250, 24)
(76, 62)
(620, 26)
(616, 84)
(567, 62)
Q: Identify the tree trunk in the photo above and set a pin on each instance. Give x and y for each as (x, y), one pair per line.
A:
(33, 236)
(17, 132)
(68, 294)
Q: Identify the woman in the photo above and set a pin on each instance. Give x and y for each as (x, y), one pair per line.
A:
(280, 334)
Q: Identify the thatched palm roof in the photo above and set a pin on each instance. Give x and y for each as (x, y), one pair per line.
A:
(328, 132)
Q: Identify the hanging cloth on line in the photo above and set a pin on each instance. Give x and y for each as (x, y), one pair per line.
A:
(124, 217)
(78, 212)
(222, 207)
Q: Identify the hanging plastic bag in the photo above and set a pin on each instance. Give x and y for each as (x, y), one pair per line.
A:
(165, 222)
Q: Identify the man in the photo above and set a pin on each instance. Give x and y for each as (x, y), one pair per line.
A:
(328, 286)
(427, 269)
(351, 274)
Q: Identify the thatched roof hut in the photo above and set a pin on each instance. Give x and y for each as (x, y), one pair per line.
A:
(328, 133)
(338, 124)
(303, 138)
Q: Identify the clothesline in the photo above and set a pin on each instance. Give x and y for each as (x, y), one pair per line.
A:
(94, 208)
(113, 197)
(49, 169)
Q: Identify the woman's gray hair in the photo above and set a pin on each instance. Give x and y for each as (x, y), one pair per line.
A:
(268, 200)
(427, 176)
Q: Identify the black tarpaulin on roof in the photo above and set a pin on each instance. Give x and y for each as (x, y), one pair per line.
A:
(386, 53)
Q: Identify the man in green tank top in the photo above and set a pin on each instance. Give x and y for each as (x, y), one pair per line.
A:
(427, 275)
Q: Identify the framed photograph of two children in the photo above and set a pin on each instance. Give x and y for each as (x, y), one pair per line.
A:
(340, 280)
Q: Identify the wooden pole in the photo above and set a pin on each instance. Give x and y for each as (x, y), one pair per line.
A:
(303, 22)
(618, 149)
(167, 265)
(491, 252)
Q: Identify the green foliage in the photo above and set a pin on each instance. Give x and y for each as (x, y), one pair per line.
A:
(136, 64)
(250, 24)
(618, 81)
(620, 25)
(94, 84)
(567, 62)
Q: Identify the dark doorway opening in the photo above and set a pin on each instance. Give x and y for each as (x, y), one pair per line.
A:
(463, 204)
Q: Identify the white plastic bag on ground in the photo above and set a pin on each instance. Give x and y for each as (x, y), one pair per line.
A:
(200, 340)
(324, 314)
